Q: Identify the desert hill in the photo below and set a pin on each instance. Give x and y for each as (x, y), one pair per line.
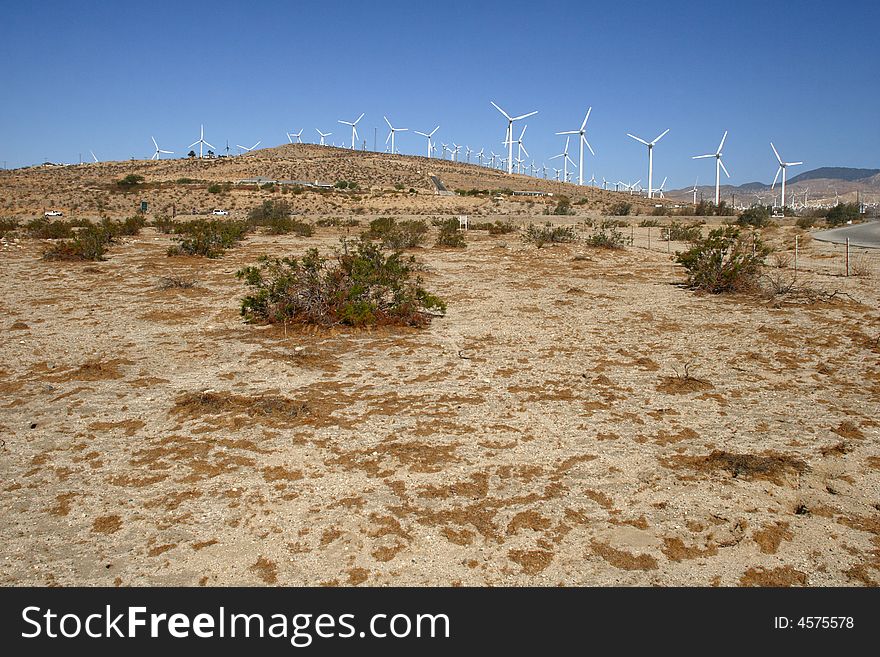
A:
(396, 184)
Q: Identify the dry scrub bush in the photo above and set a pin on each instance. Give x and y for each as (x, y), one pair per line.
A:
(450, 235)
(608, 237)
(175, 282)
(724, 261)
(678, 232)
(861, 266)
(358, 287)
(396, 235)
(548, 234)
(88, 244)
(207, 238)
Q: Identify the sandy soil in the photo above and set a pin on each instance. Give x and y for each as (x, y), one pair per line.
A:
(542, 433)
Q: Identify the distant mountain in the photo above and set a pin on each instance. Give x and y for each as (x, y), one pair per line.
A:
(835, 173)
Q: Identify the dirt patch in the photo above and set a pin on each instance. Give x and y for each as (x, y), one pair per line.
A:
(770, 537)
(266, 570)
(675, 550)
(769, 466)
(107, 524)
(267, 409)
(679, 385)
(532, 561)
(781, 576)
(623, 559)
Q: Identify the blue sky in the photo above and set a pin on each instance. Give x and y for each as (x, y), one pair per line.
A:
(103, 76)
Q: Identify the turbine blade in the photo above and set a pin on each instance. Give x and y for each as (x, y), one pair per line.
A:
(506, 115)
(360, 117)
(776, 177)
(209, 145)
(569, 132)
(584, 124)
(723, 168)
(434, 130)
(421, 133)
(775, 152)
(791, 164)
(721, 145)
(524, 116)
(699, 157)
(588, 146)
(525, 151)
(638, 139)
(388, 122)
(154, 143)
(661, 136)
(389, 136)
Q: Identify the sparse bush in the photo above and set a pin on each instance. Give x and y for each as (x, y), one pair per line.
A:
(268, 211)
(724, 261)
(215, 189)
(841, 213)
(757, 216)
(548, 234)
(620, 209)
(649, 223)
(129, 181)
(563, 206)
(207, 238)
(450, 235)
(88, 244)
(397, 235)
(184, 181)
(861, 266)
(164, 224)
(130, 226)
(805, 222)
(44, 229)
(782, 259)
(8, 226)
(337, 222)
(285, 225)
(608, 237)
(678, 232)
(358, 287)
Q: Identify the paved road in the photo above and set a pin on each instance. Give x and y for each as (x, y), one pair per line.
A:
(865, 235)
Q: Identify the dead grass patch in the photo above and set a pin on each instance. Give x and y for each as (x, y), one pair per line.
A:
(769, 466)
(770, 537)
(531, 561)
(774, 577)
(107, 524)
(266, 570)
(623, 559)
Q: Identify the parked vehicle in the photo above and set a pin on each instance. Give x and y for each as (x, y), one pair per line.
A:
(53, 213)
(220, 212)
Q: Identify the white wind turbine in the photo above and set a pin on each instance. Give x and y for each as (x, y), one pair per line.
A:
(391, 134)
(323, 134)
(592, 180)
(662, 185)
(354, 132)
(694, 190)
(650, 146)
(445, 148)
(156, 155)
(295, 135)
(583, 140)
(201, 142)
(565, 159)
(248, 150)
(428, 135)
(467, 153)
(782, 167)
(455, 152)
(557, 173)
(719, 165)
(508, 137)
(480, 157)
(520, 149)
(492, 160)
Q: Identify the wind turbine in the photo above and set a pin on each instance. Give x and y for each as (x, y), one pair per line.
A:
(557, 173)
(245, 148)
(455, 152)
(428, 135)
(565, 158)
(719, 165)
(583, 140)
(201, 142)
(156, 155)
(323, 134)
(520, 149)
(694, 190)
(354, 132)
(298, 135)
(508, 138)
(650, 146)
(492, 161)
(604, 183)
(445, 148)
(592, 181)
(391, 134)
(782, 167)
(480, 157)
(467, 152)
(662, 185)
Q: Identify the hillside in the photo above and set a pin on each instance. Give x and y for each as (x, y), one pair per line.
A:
(396, 184)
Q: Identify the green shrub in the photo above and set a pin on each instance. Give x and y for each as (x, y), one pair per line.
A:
(563, 206)
(337, 222)
(131, 180)
(44, 229)
(130, 226)
(608, 237)
(620, 209)
(805, 222)
(88, 244)
(450, 235)
(841, 213)
(215, 189)
(548, 234)
(724, 261)
(649, 223)
(397, 235)
(184, 181)
(678, 232)
(357, 287)
(757, 216)
(163, 223)
(285, 225)
(207, 238)
(268, 211)
(8, 226)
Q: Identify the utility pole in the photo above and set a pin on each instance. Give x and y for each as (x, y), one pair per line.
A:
(375, 130)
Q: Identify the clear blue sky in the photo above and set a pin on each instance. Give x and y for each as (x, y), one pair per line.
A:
(106, 76)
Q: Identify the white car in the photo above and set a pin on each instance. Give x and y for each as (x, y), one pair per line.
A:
(220, 212)
(53, 213)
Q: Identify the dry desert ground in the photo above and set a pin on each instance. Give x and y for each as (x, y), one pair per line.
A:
(542, 433)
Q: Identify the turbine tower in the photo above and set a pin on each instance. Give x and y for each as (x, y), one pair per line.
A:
(508, 138)
(201, 142)
(428, 135)
(354, 132)
(565, 159)
(650, 146)
(782, 167)
(323, 134)
(583, 140)
(391, 134)
(719, 165)
(156, 155)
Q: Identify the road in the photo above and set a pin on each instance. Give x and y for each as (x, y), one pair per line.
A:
(865, 235)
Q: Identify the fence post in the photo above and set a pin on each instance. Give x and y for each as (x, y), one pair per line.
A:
(847, 256)
(795, 254)
(632, 235)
